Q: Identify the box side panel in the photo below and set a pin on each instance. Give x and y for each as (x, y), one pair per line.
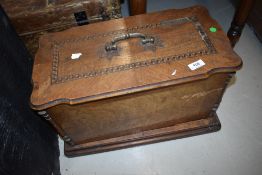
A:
(139, 112)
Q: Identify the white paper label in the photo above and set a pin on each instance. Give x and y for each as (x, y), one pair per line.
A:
(76, 56)
(174, 73)
(197, 64)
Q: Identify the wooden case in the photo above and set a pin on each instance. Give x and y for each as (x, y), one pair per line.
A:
(33, 18)
(132, 84)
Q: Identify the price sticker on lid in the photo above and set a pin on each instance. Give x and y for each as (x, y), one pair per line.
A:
(197, 64)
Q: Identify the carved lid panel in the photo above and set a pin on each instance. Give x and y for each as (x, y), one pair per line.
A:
(129, 55)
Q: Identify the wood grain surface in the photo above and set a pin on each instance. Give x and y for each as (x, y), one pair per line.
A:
(137, 7)
(33, 18)
(98, 74)
(134, 113)
(191, 128)
(141, 91)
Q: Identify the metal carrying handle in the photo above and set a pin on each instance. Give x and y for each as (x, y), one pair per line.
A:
(145, 39)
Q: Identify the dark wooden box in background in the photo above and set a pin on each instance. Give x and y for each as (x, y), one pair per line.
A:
(32, 18)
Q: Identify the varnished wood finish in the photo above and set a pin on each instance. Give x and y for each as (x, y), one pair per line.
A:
(110, 100)
(192, 128)
(239, 20)
(137, 7)
(33, 18)
(99, 74)
(134, 113)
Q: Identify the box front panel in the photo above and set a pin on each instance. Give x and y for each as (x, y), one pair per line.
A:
(139, 112)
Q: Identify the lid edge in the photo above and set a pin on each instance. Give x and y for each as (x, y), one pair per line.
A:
(133, 90)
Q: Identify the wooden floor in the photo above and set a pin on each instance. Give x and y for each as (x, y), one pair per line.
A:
(236, 149)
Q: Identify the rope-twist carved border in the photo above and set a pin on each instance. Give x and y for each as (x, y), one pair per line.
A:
(160, 60)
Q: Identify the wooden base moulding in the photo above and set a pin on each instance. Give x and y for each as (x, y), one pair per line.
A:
(192, 128)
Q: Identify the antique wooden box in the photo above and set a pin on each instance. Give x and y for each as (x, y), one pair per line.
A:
(133, 81)
(32, 18)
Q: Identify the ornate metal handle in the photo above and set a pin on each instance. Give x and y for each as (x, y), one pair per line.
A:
(145, 39)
